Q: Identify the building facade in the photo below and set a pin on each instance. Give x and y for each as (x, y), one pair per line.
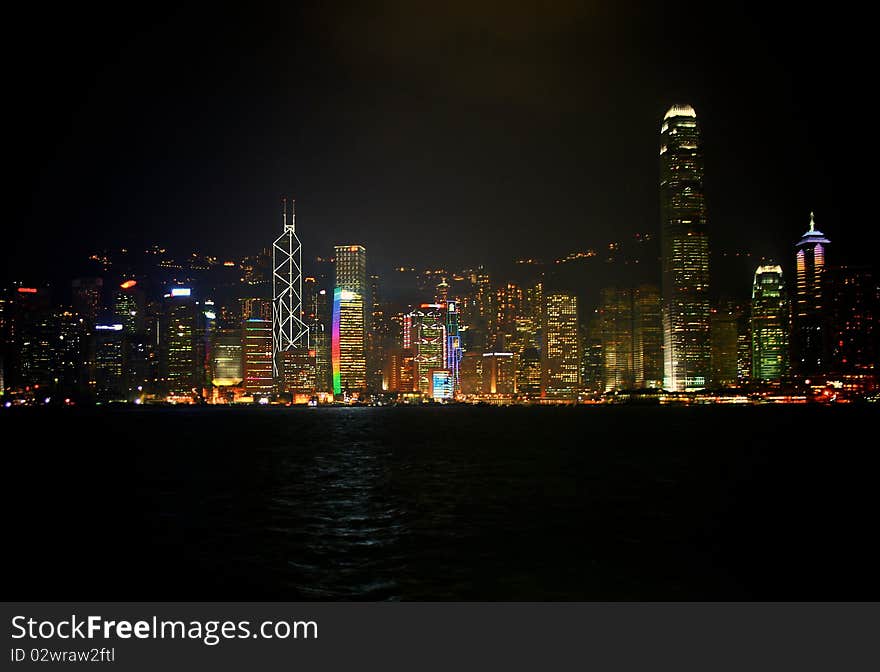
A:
(770, 326)
(811, 343)
(685, 252)
(350, 320)
(560, 361)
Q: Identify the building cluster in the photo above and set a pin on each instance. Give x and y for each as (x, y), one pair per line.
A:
(261, 330)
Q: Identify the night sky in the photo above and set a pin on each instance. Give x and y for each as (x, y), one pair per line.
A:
(443, 133)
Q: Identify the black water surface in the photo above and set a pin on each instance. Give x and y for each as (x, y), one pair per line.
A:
(441, 503)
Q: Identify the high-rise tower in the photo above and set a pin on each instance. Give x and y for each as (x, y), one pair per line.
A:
(770, 327)
(685, 252)
(289, 332)
(560, 355)
(811, 338)
(348, 351)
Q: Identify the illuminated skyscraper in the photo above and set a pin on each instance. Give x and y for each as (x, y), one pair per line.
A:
(289, 331)
(685, 252)
(348, 350)
(528, 373)
(128, 306)
(179, 347)
(560, 362)
(771, 325)
(256, 347)
(811, 332)
(630, 333)
(377, 336)
(109, 362)
(725, 323)
(454, 351)
(226, 357)
(617, 329)
(426, 327)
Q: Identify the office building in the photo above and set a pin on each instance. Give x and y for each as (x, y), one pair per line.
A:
(685, 252)
(770, 326)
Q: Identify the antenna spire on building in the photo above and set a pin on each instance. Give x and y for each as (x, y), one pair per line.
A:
(288, 329)
(812, 221)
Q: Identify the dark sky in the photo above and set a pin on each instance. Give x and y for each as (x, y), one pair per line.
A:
(432, 133)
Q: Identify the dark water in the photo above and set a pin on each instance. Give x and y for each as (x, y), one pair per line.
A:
(464, 503)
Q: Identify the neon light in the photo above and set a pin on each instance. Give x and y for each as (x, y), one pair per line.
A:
(27, 290)
(128, 284)
(407, 331)
(335, 354)
(442, 385)
(181, 291)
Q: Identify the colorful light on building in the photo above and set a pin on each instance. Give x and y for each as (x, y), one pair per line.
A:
(442, 384)
(335, 350)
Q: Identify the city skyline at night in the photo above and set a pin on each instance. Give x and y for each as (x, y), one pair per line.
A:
(467, 301)
(499, 164)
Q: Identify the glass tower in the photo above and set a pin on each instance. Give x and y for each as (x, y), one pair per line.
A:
(350, 305)
(770, 326)
(685, 252)
(560, 364)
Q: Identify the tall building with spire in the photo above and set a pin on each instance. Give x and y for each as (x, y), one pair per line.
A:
(290, 334)
(811, 331)
(293, 361)
(685, 252)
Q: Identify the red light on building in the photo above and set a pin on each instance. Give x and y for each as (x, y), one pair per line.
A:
(128, 284)
(27, 290)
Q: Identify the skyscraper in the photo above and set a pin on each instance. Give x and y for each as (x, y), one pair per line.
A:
(453, 343)
(289, 331)
(617, 329)
(179, 347)
(257, 360)
(725, 322)
(685, 252)
(377, 336)
(427, 338)
(109, 362)
(560, 361)
(771, 325)
(630, 335)
(348, 350)
(811, 332)
(128, 306)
